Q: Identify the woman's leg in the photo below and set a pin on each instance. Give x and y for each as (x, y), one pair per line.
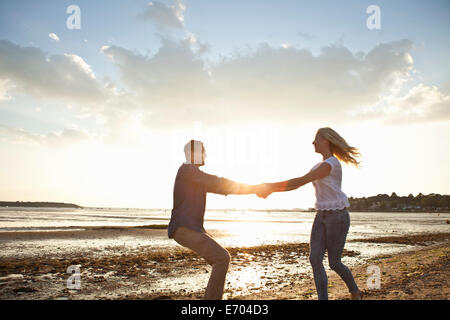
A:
(317, 251)
(337, 225)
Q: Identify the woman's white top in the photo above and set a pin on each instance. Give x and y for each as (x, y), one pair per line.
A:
(329, 195)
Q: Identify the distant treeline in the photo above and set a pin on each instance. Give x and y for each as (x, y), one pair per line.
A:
(384, 202)
(38, 204)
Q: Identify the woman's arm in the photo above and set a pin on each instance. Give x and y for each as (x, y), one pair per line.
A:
(320, 172)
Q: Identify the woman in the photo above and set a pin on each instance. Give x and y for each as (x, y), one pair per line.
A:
(332, 220)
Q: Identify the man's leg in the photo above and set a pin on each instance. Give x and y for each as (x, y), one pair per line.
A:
(217, 256)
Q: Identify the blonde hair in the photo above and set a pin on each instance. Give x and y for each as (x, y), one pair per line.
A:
(339, 147)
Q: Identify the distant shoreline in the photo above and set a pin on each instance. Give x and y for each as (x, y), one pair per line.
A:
(28, 204)
(31, 204)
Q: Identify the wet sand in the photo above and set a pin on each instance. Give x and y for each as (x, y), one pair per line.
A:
(159, 273)
(421, 274)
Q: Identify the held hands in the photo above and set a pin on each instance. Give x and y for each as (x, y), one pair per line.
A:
(263, 190)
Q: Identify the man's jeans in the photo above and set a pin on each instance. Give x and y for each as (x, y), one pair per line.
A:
(217, 256)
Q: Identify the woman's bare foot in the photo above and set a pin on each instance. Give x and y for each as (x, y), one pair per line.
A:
(357, 295)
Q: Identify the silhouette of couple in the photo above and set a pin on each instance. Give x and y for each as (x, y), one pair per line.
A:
(329, 229)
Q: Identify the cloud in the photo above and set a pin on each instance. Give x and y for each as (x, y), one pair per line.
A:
(284, 84)
(61, 138)
(306, 36)
(421, 103)
(5, 86)
(173, 77)
(32, 71)
(163, 16)
(177, 85)
(293, 85)
(53, 36)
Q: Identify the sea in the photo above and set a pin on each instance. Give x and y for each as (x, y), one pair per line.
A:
(232, 227)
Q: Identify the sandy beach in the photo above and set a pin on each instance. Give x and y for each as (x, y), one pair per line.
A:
(149, 272)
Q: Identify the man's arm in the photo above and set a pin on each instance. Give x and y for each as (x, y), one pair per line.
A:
(233, 187)
(219, 185)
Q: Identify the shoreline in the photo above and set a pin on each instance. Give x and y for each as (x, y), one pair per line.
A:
(63, 205)
(146, 273)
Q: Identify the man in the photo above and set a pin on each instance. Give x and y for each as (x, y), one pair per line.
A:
(189, 201)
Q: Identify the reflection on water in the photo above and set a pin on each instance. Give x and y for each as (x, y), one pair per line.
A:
(67, 217)
(256, 233)
(35, 218)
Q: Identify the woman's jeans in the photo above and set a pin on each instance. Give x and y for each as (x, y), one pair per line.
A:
(329, 232)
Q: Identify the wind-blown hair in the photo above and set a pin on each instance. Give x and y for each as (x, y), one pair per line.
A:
(339, 147)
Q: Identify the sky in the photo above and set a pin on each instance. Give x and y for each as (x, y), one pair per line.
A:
(97, 103)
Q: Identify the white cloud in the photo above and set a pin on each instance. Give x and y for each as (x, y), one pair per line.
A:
(5, 86)
(287, 85)
(31, 71)
(164, 16)
(172, 78)
(53, 36)
(54, 138)
(177, 86)
(81, 64)
(421, 103)
(290, 84)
